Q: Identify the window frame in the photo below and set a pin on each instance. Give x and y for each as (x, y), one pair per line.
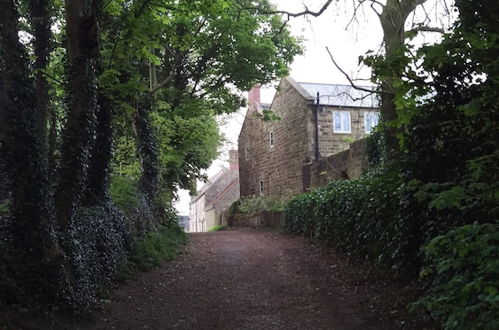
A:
(246, 153)
(366, 113)
(261, 187)
(342, 130)
(271, 139)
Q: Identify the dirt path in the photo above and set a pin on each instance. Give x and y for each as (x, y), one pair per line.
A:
(249, 279)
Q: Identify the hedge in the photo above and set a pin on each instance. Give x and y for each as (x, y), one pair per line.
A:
(462, 277)
(362, 216)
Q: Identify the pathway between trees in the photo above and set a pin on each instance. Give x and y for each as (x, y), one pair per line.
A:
(251, 279)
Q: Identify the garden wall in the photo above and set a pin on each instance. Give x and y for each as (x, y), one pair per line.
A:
(348, 164)
(265, 219)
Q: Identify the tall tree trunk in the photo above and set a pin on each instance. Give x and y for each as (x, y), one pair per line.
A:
(26, 162)
(40, 22)
(79, 134)
(148, 150)
(392, 19)
(98, 173)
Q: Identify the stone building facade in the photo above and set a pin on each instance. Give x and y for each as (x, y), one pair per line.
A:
(214, 198)
(272, 154)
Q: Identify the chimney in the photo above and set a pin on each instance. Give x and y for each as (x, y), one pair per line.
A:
(233, 160)
(254, 96)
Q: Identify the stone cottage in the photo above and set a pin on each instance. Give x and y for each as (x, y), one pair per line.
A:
(206, 208)
(316, 121)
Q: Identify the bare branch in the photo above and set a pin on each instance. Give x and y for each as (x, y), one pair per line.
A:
(289, 14)
(426, 29)
(163, 83)
(346, 75)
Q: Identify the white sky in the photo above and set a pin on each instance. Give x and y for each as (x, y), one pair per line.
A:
(346, 45)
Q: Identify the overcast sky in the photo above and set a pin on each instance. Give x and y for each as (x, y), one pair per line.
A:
(347, 39)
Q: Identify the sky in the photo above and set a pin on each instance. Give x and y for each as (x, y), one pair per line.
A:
(345, 37)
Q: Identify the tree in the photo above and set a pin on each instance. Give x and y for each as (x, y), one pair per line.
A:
(24, 150)
(192, 58)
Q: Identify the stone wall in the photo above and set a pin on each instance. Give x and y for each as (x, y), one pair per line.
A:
(279, 167)
(347, 164)
(331, 143)
(263, 219)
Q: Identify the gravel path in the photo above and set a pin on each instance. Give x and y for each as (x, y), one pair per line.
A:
(254, 279)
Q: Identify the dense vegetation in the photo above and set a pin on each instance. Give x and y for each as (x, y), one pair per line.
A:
(435, 207)
(106, 109)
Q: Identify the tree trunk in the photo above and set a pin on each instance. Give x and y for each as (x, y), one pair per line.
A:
(40, 23)
(148, 150)
(98, 173)
(392, 20)
(79, 134)
(26, 163)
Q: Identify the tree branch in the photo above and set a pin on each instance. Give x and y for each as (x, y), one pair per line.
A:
(347, 76)
(426, 29)
(289, 14)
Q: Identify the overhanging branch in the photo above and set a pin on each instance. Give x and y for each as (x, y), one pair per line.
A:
(347, 76)
(289, 14)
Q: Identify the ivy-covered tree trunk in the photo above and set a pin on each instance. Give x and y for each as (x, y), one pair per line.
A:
(148, 150)
(79, 134)
(40, 24)
(392, 19)
(24, 152)
(98, 173)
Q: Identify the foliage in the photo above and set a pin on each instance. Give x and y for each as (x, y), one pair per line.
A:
(153, 249)
(361, 216)
(124, 192)
(234, 207)
(96, 243)
(375, 149)
(261, 203)
(462, 277)
(217, 228)
(145, 77)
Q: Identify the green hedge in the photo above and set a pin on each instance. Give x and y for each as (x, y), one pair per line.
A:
(360, 216)
(462, 276)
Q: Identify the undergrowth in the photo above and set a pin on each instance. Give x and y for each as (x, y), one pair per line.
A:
(153, 249)
(218, 228)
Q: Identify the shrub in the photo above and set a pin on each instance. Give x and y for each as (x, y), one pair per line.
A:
(151, 250)
(234, 207)
(217, 228)
(257, 204)
(462, 276)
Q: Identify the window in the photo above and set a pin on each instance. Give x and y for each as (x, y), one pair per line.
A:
(261, 187)
(246, 153)
(371, 120)
(271, 139)
(341, 122)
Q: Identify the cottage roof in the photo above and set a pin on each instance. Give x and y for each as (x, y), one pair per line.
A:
(217, 186)
(340, 95)
(208, 184)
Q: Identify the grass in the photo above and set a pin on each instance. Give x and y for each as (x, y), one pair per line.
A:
(218, 228)
(152, 250)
